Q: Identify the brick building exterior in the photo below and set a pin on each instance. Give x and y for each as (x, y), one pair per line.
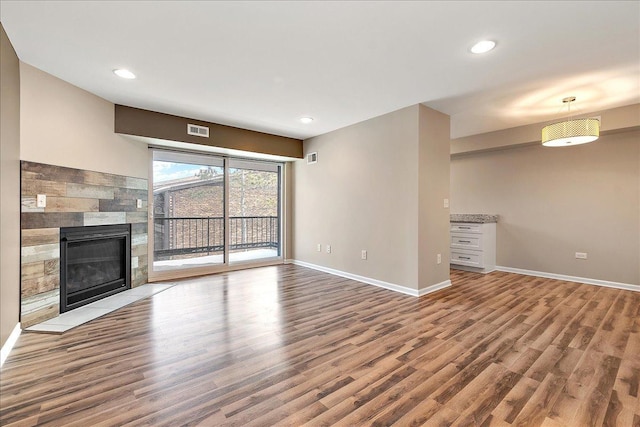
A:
(196, 207)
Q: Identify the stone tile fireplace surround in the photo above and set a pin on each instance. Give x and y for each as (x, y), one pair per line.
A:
(74, 198)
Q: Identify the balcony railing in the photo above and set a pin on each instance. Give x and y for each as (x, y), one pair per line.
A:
(198, 235)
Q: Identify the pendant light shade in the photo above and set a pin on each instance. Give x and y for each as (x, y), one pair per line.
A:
(571, 131)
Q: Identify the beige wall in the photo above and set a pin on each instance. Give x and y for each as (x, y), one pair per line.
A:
(433, 188)
(9, 188)
(554, 202)
(613, 120)
(362, 194)
(379, 185)
(63, 125)
(287, 210)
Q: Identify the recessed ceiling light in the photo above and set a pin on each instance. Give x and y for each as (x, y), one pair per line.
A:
(124, 73)
(306, 120)
(483, 46)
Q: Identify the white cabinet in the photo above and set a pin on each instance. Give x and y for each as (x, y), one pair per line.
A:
(473, 246)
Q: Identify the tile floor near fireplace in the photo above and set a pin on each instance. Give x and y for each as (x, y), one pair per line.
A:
(84, 314)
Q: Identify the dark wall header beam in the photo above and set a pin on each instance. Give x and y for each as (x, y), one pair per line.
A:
(145, 123)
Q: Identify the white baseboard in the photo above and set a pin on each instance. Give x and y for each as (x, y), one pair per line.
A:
(585, 280)
(433, 288)
(8, 345)
(375, 282)
(473, 269)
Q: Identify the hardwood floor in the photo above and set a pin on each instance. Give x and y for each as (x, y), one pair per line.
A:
(290, 346)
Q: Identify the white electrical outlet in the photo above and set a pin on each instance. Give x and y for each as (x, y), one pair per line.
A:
(138, 203)
(446, 203)
(319, 247)
(328, 249)
(581, 255)
(41, 201)
(439, 258)
(363, 254)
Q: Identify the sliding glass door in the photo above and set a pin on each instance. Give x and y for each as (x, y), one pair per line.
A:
(188, 211)
(209, 212)
(254, 206)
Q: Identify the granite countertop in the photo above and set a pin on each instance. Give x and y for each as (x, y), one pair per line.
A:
(478, 218)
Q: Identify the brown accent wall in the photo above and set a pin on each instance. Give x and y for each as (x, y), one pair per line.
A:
(150, 124)
(9, 188)
(74, 198)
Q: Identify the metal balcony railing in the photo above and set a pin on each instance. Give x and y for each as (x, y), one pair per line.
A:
(197, 235)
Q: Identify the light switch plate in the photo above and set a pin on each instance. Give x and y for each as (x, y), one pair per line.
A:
(446, 203)
(41, 201)
(138, 203)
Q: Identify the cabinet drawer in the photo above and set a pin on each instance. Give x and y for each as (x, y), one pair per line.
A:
(463, 227)
(468, 258)
(466, 241)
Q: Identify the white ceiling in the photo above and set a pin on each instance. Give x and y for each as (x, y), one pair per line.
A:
(263, 65)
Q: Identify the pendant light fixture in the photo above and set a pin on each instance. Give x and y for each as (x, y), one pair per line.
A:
(571, 131)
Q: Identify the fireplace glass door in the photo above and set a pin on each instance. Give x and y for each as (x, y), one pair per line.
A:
(95, 262)
(92, 263)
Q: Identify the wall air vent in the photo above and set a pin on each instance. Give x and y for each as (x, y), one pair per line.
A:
(198, 130)
(312, 158)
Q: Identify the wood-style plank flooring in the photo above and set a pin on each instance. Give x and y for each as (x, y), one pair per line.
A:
(290, 346)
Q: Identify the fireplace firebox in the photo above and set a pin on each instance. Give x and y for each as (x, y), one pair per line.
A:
(95, 262)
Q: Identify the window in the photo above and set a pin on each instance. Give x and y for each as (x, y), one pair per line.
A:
(212, 211)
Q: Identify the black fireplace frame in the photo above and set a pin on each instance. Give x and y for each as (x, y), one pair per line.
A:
(92, 233)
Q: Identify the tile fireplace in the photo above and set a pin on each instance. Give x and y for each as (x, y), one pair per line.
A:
(75, 198)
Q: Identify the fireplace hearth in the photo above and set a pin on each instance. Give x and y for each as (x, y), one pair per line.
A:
(95, 262)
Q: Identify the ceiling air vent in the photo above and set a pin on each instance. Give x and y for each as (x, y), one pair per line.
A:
(198, 130)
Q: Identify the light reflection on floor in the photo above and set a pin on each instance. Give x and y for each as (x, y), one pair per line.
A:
(240, 309)
(203, 261)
